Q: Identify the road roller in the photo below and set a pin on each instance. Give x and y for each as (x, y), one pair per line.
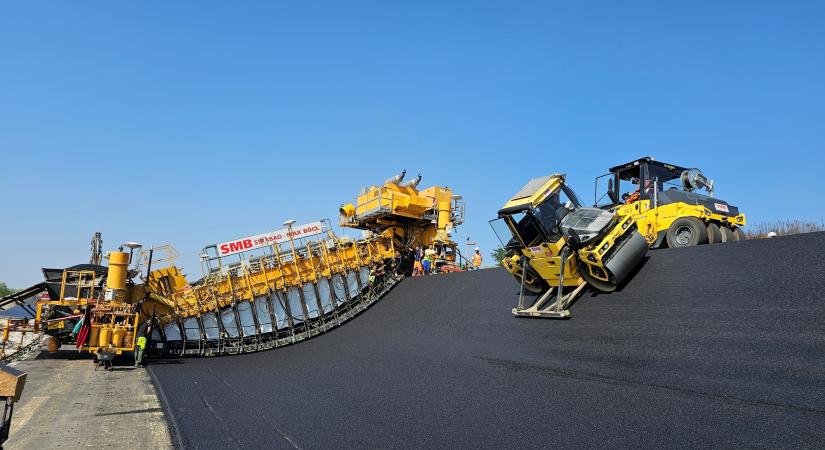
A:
(668, 206)
(556, 247)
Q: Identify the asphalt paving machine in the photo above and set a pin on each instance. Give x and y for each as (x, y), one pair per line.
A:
(669, 211)
(556, 247)
(257, 292)
(410, 217)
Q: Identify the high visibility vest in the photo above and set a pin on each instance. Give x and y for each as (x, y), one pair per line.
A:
(141, 342)
(476, 260)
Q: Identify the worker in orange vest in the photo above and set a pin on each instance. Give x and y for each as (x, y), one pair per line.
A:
(477, 259)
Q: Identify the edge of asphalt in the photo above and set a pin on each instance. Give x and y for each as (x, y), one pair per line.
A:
(171, 422)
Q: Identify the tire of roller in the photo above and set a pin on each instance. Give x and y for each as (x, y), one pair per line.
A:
(714, 234)
(698, 232)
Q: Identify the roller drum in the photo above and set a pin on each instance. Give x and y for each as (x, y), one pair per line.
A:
(627, 257)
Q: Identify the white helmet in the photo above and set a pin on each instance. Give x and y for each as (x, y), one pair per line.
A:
(772, 234)
(477, 249)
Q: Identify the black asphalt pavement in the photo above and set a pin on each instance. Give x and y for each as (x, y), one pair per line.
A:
(712, 346)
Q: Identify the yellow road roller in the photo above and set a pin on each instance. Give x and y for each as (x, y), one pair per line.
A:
(555, 245)
(669, 210)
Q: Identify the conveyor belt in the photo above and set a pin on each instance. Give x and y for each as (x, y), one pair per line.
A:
(17, 298)
(711, 346)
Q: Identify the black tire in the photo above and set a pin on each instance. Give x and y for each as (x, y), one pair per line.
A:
(533, 282)
(727, 234)
(714, 234)
(687, 232)
(739, 235)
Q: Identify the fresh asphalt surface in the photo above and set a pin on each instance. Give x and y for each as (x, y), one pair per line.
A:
(718, 346)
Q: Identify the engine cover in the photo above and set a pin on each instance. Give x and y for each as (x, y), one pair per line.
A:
(589, 224)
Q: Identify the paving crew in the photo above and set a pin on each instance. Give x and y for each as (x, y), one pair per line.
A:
(477, 259)
(144, 331)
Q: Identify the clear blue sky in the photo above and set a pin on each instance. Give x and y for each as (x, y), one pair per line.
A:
(194, 122)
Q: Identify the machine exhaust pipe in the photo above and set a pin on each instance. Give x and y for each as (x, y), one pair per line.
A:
(397, 178)
(413, 183)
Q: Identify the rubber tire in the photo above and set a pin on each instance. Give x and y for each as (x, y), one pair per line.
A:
(739, 235)
(699, 232)
(727, 234)
(714, 234)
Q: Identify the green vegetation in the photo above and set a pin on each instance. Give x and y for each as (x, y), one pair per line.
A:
(783, 228)
(5, 290)
(498, 254)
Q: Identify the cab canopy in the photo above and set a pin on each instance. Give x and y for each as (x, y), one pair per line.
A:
(647, 168)
(532, 194)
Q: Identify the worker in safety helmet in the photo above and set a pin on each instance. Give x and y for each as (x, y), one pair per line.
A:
(144, 331)
(477, 259)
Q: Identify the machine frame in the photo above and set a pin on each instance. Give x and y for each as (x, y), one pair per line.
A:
(548, 260)
(656, 214)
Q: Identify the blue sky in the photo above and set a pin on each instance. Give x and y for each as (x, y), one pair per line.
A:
(190, 123)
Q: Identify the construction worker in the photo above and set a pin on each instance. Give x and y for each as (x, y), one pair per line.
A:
(477, 258)
(142, 341)
(425, 265)
(418, 268)
(418, 254)
(429, 259)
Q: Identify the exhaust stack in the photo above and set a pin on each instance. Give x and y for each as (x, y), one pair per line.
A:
(413, 183)
(397, 178)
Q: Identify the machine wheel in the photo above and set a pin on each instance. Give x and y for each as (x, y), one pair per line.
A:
(714, 234)
(686, 232)
(601, 286)
(739, 235)
(533, 282)
(727, 234)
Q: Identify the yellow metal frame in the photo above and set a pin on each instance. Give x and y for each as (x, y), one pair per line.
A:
(103, 311)
(545, 258)
(406, 214)
(248, 281)
(653, 221)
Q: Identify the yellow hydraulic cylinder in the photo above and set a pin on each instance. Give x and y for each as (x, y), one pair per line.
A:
(118, 266)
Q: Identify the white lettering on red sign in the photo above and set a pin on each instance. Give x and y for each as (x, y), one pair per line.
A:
(721, 207)
(275, 237)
